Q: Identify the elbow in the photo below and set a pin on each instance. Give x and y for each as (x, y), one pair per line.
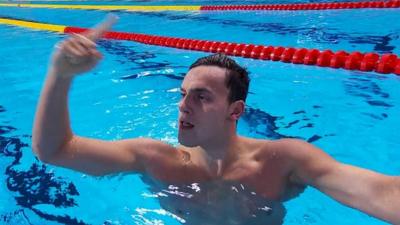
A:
(43, 151)
(37, 147)
(39, 151)
(46, 147)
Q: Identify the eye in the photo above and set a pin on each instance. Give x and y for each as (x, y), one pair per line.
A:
(183, 94)
(202, 97)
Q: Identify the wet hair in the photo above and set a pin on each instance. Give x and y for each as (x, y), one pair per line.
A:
(237, 78)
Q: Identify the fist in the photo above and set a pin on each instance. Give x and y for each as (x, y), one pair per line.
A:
(78, 53)
(75, 55)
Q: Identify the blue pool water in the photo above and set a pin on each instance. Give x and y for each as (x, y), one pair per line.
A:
(353, 116)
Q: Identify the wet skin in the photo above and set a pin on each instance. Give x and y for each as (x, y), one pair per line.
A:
(211, 152)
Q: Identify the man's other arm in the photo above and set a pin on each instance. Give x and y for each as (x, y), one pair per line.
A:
(373, 193)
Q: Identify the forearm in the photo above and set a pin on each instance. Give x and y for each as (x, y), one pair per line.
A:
(387, 201)
(368, 191)
(51, 126)
(375, 194)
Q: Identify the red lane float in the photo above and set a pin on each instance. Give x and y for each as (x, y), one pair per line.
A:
(386, 63)
(306, 6)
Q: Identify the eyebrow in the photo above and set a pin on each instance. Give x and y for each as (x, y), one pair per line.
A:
(199, 90)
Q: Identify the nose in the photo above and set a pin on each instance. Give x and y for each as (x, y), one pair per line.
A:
(184, 105)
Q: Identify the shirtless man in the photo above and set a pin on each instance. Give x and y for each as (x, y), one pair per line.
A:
(213, 95)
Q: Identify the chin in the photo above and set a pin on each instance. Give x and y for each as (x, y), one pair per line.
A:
(187, 143)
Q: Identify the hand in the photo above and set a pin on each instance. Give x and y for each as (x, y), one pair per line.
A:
(78, 53)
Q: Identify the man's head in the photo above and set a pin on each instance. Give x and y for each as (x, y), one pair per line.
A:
(236, 77)
(213, 95)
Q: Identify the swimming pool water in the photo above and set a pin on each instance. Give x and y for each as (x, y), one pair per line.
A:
(134, 92)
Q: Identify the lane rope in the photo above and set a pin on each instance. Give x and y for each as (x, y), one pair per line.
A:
(368, 62)
(33, 25)
(296, 6)
(309, 6)
(109, 7)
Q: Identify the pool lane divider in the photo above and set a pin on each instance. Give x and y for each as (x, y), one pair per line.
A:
(33, 25)
(368, 62)
(109, 7)
(307, 6)
(296, 6)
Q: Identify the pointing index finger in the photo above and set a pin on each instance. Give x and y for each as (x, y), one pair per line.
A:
(98, 31)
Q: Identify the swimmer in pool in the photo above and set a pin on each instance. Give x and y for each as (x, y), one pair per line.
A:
(213, 99)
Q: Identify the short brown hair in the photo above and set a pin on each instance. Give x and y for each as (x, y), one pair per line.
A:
(237, 77)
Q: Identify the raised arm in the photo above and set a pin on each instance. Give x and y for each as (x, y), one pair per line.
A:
(53, 140)
(373, 193)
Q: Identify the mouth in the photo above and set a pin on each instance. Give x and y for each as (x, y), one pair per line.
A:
(185, 125)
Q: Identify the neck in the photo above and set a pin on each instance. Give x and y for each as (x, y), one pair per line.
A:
(220, 149)
(219, 152)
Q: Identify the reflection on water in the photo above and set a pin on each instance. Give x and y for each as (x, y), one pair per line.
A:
(215, 202)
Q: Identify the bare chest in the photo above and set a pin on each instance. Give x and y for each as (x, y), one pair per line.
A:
(247, 191)
(204, 203)
(267, 180)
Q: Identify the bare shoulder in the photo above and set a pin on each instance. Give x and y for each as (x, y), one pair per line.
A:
(272, 152)
(294, 148)
(254, 144)
(304, 160)
(166, 162)
(292, 152)
(190, 154)
(283, 147)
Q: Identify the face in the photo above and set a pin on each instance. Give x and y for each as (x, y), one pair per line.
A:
(204, 110)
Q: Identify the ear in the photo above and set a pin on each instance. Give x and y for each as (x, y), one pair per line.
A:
(236, 109)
